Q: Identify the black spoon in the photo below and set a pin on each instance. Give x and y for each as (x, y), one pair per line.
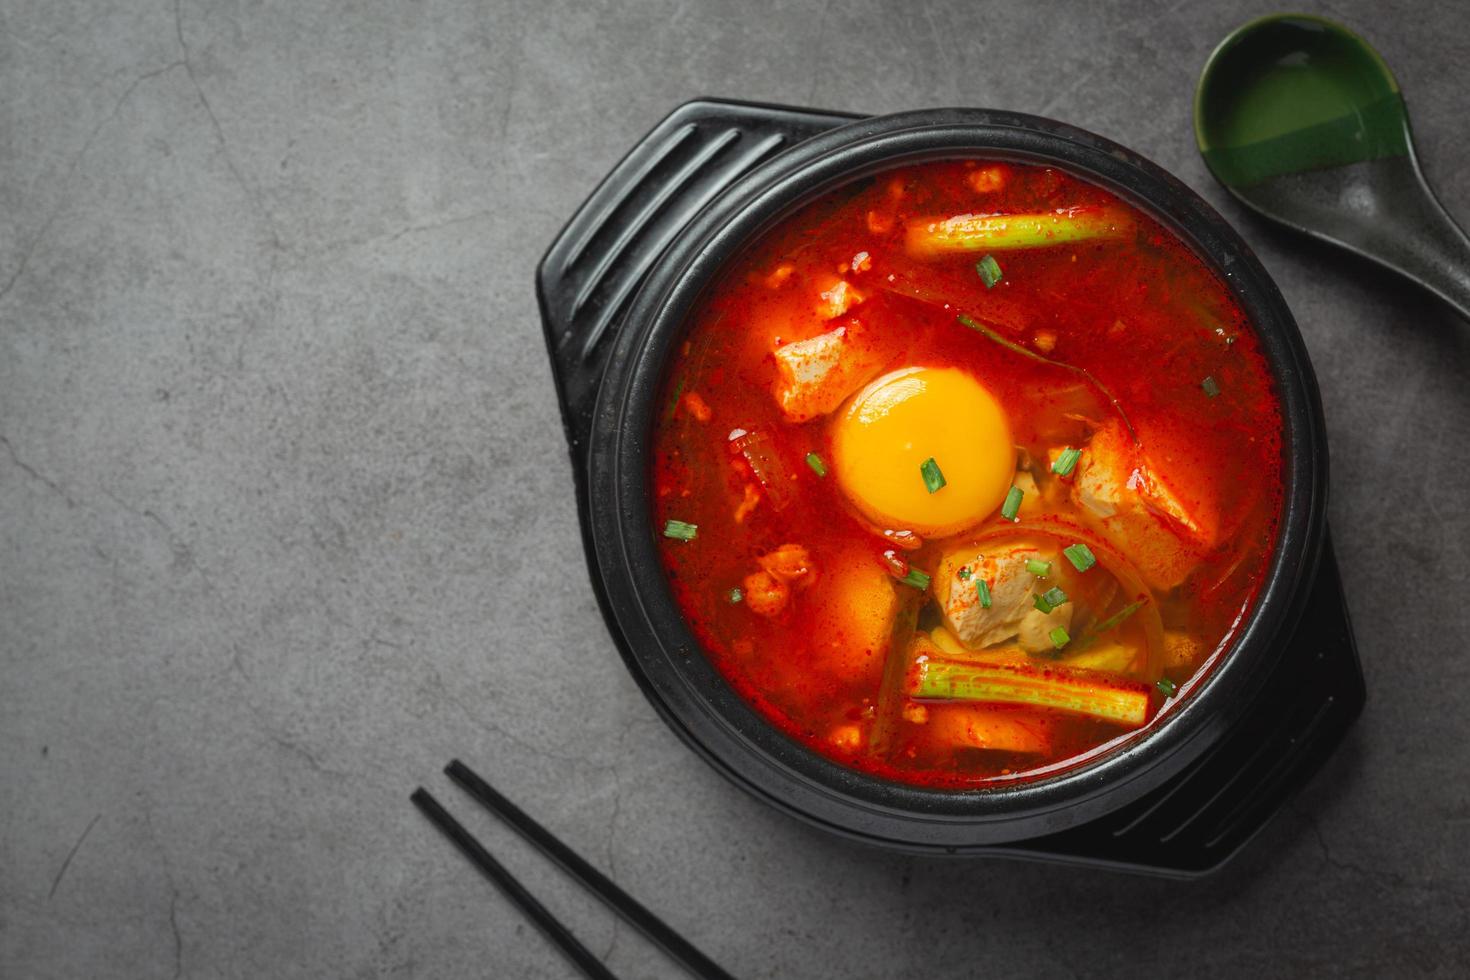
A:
(1303, 122)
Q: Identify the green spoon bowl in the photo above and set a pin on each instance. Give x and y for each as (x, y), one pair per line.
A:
(1304, 122)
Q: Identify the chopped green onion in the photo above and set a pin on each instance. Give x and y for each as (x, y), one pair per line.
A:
(1080, 556)
(983, 587)
(1066, 462)
(1167, 687)
(1111, 622)
(933, 479)
(674, 401)
(1037, 567)
(916, 578)
(1030, 354)
(964, 573)
(1050, 599)
(1211, 386)
(1010, 345)
(680, 531)
(815, 462)
(736, 595)
(1118, 617)
(1059, 637)
(989, 270)
(1013, 503)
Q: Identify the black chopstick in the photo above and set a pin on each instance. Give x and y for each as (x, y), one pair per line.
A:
(625, 905)
(559, 934)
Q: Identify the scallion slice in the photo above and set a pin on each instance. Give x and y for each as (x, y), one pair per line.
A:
(916, 578)
(1119, 617)
(1013, 503)
(1066, 461)
(1102, 696)
(674, 401)
(1211, 386)
(815, 462)
(1059, 637)
(964, 573)
(933, 479)
(1050, 599)
(736, 595)
(1037, 567)
(680, 531)
(989, 270)
(1080, 556)
(983, 587)
(1167, 687)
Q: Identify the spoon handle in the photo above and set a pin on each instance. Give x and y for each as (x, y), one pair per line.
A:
(1446, 268)
(1424, 243)
(1382, 209)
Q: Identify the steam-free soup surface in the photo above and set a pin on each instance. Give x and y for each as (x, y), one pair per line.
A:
(966, 471)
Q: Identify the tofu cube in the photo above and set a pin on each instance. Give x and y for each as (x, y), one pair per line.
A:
(1134, 508)
(1012, 588)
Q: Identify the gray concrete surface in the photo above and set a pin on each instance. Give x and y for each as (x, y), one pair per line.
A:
(285, 519)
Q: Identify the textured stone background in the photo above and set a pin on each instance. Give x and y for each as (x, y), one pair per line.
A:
(285, 519)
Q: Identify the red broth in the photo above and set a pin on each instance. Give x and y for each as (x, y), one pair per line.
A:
(868, 641)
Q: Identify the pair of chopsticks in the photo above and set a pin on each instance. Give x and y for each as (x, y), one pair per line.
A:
(632, 911)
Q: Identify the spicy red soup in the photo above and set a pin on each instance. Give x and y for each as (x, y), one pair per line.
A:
(965, 471)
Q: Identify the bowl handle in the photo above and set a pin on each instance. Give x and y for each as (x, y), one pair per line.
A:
(593, 269)
(1202, 817)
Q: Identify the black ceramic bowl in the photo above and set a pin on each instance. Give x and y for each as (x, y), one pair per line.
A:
(661, 651)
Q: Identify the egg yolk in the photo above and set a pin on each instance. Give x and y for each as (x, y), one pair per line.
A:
(890, 429)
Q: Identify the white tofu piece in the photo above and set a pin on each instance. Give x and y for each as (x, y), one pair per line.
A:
(808, 375)
(815, 376)
(1012, 589)
(1135, 510)
(1112, 475)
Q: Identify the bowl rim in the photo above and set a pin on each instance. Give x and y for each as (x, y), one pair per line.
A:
(662, 652)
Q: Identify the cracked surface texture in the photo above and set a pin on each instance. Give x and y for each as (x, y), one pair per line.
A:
(286, 521)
